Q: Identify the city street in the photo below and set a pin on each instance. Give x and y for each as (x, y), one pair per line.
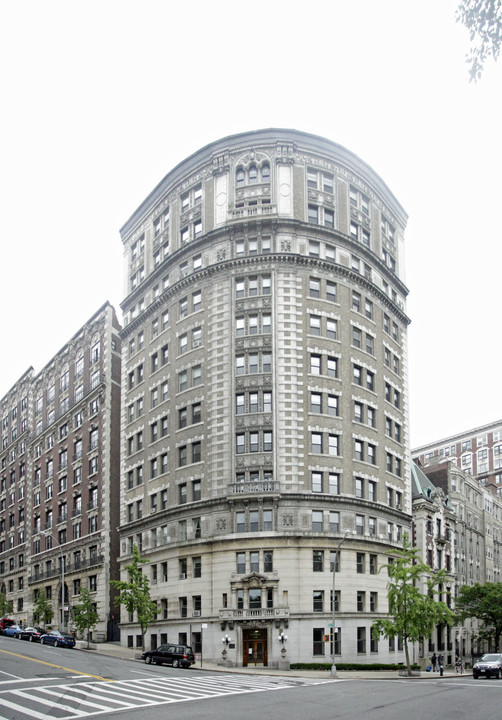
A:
(42, 682)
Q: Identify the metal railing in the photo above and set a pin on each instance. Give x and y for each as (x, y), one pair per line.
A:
(69, 568)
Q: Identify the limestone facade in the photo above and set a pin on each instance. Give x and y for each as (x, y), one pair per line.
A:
(264, 399)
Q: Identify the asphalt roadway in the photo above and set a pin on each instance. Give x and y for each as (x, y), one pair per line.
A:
(118, 651)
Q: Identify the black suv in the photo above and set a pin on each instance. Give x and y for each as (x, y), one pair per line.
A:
(490, 665)
(175, 655)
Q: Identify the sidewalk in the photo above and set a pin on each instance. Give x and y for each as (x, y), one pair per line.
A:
(125, 653)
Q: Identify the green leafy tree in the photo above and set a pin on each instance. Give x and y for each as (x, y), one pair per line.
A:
(483, 19)
(483, 602)
(135, 593)
(413, 614)
(42, 609)
(6, 606)
(85, 615)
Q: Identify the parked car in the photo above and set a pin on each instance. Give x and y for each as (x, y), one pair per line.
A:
(175, 655)
(58, 639)
(489, 665)
(12, 630)
(5, 623)
(32, 634)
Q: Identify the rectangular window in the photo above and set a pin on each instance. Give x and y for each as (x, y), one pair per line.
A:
(332, 367)
(313, 214)
(241, 562)
(317, 482)
(317, 560)
(316, 402)
(197, 567)
(332, 405)
(317, 641)
(318, 600)
(315, 325)
(314, 287)
(331, 329)
(317, 521)
(334, 483)
(316, 443)
(315, 364)
(196, 452)
(334, 521)
(240, 522)
(361, 640)
(333, 444)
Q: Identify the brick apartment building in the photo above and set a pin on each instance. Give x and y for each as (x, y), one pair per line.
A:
(59, 477)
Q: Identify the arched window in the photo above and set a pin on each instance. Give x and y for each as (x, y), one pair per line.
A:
(252, 175)
(239, 177)
(265, 172)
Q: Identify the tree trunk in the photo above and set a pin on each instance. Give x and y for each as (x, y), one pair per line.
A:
(407, 654)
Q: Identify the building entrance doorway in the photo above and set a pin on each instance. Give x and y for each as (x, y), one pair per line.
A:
(254, 647)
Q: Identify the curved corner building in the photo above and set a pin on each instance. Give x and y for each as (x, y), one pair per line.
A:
(265, 400)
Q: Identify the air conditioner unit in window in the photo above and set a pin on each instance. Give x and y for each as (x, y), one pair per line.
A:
(183, 576)
(196, 613)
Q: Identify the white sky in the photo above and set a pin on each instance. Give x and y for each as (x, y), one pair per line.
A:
(100, 99)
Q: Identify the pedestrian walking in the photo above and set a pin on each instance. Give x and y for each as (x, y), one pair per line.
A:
(434, 662)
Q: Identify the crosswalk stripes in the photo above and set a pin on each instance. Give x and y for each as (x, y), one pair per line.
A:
(83, 699)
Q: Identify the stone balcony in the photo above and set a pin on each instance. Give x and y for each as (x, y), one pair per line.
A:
(246, 615)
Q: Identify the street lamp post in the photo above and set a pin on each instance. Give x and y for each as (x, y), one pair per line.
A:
(337, 554)
(49, 534)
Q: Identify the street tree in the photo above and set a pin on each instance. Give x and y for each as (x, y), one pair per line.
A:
(413, 612)
(85, 614)
(42, 609)
(135, 593)
(483, 19)
(6, 606)
(483, 602)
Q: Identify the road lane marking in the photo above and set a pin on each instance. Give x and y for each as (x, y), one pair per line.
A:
(93, 699)
(31, 713)
(10, 675)
(85, 692)
(24, 695)
(37, 680)
(140, 672)
(59, 667)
